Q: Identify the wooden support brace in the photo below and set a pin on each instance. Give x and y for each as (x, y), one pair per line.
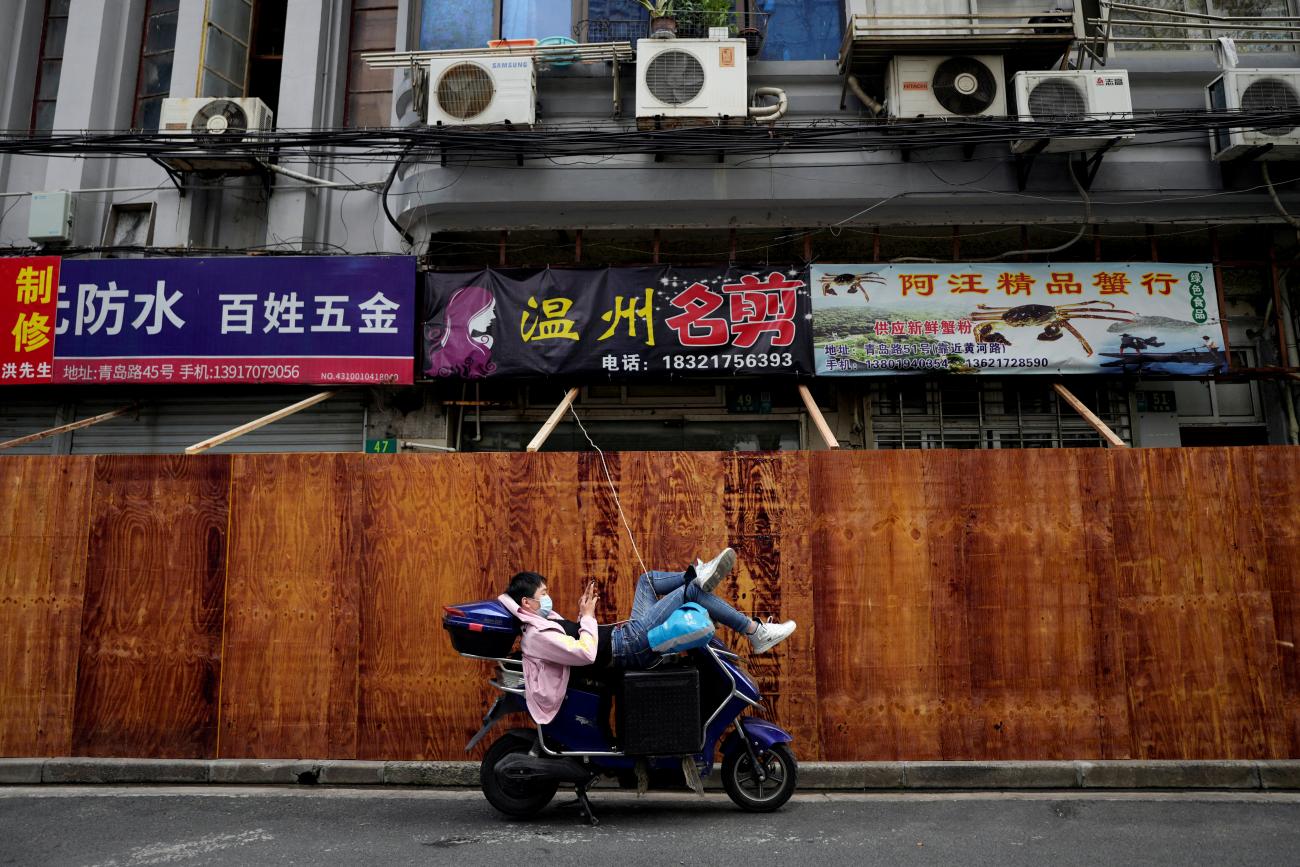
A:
(1090, 417)
(539, 440)
(819, 420)
(253, 425)
(64, 428)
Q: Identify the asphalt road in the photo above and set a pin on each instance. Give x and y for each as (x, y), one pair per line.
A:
(134, 826)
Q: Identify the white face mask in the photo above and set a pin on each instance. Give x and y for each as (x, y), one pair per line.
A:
(544, 603)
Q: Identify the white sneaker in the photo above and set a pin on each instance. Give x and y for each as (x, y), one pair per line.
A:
(769, 635)
(709, 575)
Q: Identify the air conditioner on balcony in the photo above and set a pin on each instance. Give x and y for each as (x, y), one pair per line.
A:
(936, 86)
(1255, 91)
(482, 91)
(216, 122)
(691, 78)
(1072, 95)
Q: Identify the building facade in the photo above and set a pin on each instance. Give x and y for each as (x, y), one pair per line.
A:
(98, 66)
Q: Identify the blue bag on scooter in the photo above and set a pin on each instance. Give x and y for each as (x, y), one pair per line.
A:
(686, 628)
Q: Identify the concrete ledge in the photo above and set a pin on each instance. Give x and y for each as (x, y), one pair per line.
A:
(1279, 774)
(1169, 775)
(354, 774)
(21, 771)
(813, 776)
(125, 771)
(255, 772)
(431, 773)
(990, 775)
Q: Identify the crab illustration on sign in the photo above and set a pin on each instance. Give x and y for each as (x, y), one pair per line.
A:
(851, 283)
(1052, 319)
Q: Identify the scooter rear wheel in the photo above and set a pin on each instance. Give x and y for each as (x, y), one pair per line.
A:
(516, 799)
(781, 772)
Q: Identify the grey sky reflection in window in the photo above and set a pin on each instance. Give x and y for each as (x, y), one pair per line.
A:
(456, 24)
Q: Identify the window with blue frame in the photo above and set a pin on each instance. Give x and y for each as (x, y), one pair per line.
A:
(446, 24)
(802, 29)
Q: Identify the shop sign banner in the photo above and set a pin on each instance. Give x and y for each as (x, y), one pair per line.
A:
(1095, 317)
(296, 319)
(624, 322)
(28, 294)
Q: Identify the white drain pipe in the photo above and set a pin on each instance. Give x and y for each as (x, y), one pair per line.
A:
(769, 113)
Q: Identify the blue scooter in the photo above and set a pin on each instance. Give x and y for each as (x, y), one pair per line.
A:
(670, 720)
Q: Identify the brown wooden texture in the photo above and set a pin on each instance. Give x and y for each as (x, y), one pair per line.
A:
(43, 531)
(1277, 481)
(1200, 654)
(289, 668)
(951, 605)
(150, 661)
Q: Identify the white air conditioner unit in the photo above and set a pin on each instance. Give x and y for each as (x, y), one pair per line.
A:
(1255, 91)
(957, 86)
(482, 91)
(1070, 95)
(216, 122)
(691, 78)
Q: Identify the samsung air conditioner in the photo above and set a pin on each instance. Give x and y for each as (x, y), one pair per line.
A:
(933, 86)
(1256, 91)
(691, 78)
(221, 124)
(1072, 96)
(482, 91)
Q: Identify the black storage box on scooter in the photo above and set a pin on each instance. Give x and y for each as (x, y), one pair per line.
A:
(659, 712)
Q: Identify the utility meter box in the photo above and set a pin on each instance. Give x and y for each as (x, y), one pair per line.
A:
(50, 219)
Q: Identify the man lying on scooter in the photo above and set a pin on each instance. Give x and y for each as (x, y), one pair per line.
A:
(549, 650)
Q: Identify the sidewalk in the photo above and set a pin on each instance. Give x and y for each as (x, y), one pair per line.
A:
(813, 776)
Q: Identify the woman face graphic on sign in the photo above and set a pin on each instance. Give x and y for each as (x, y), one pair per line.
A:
(459, 344)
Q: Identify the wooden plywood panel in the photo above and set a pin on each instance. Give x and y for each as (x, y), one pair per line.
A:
(1198, 630)
(289, 686)
(418, 698)
(887, 607)
(672, 503)
(767, 513)
(1277, 492)
(1031, 607)
(43, 530)
(150, 661)
(529, 519)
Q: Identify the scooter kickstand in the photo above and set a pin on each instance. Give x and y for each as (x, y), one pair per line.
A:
(585, 805)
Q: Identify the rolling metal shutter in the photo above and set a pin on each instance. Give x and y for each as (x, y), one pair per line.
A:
(170, 424)
(24, 415)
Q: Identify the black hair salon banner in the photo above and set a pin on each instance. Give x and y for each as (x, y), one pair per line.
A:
(617, 321)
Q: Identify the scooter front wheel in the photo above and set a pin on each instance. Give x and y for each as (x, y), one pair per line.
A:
(516, 799)
(768, 791)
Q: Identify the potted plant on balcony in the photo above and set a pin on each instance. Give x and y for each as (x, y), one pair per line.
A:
(661, 15)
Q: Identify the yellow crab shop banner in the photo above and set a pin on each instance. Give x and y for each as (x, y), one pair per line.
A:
(1071, 317)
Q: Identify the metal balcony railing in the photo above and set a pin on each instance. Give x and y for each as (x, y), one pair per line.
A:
(750, 26)
(1132, 25)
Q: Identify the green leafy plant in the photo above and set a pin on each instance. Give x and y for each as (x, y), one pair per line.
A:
(659, 8)
(708, 13)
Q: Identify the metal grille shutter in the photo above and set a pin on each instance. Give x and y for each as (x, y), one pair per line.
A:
(22, 416)
(171, 424)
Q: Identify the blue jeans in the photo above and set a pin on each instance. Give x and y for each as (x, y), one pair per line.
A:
(659, 594)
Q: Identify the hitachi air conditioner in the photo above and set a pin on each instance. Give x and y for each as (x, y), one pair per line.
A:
(481, 91)
(1255, 91)
(1072, 96)
(216, 122)
(691, 78)
(960, 86)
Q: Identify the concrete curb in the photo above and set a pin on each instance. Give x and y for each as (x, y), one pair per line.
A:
(813, 776)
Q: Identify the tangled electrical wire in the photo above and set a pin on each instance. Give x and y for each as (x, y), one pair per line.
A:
(554, 141)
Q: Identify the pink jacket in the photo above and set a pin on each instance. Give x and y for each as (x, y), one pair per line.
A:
(548, 654)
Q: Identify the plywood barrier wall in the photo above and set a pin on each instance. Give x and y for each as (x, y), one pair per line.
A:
(952, 605)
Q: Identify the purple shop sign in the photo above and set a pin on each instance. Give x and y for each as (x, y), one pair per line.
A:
(303, 319)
